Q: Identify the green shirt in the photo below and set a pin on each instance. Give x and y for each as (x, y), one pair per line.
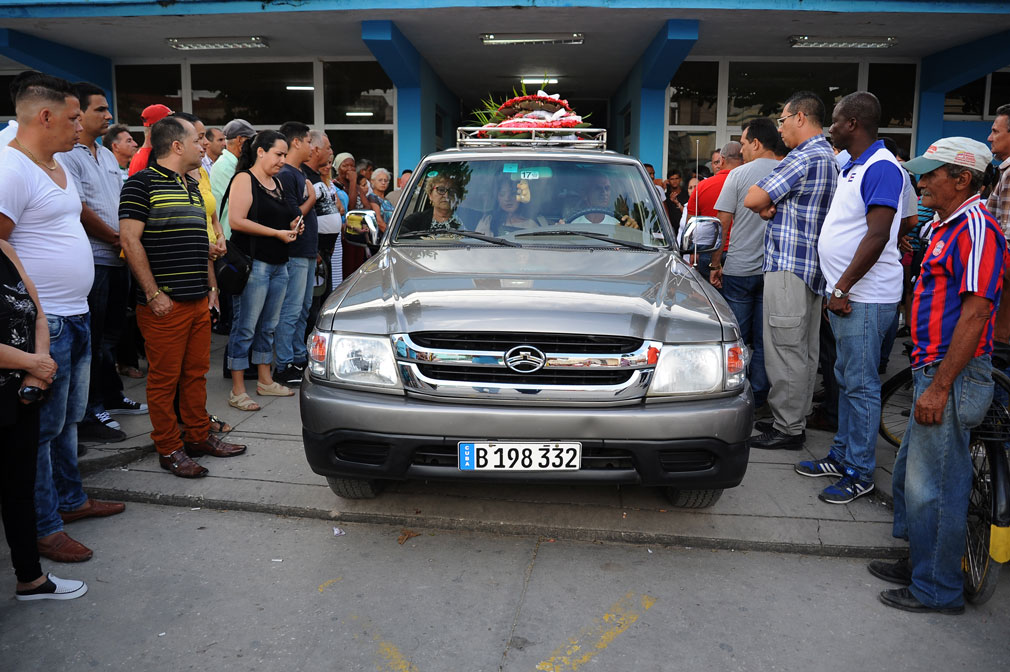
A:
(220, 176)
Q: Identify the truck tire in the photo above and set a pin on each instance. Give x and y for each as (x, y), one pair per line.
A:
(354, 488)
(693, 499)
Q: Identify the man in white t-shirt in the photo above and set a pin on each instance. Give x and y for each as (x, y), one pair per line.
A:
(40, 215)
(859, 258)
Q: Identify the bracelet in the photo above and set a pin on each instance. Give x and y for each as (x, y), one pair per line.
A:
(153, 296)
(715, 267)
(213, 289)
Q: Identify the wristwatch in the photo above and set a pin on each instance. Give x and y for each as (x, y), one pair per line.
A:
(839, 294)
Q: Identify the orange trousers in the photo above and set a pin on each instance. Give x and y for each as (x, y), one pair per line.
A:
(178, 356)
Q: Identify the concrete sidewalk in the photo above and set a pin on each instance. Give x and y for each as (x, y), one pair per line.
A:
(774, 509)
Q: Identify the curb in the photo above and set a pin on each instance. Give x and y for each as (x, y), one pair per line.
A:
(122, 457)
(462, 525)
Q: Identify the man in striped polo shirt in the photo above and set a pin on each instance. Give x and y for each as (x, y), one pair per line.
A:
(953, 311)
(163, 229)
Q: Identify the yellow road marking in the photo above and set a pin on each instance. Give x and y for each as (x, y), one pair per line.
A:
(395, 662)
(326, 584)
(595, 638)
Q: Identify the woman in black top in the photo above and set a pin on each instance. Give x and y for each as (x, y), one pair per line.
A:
(262, 225)
(26, 371)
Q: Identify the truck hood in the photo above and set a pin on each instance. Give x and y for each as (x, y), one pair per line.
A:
(649, 295)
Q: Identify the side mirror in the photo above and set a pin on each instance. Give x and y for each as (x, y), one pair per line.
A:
(361, 229)
(701, 234)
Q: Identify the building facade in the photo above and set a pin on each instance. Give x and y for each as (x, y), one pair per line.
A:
(670, 80)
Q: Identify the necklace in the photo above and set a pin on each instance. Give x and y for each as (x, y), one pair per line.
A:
(32, 156)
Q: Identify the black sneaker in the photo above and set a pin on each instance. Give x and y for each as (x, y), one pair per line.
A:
(95, 431)
(893, 572)
(773, 439)
(289, 375)
(127, 406)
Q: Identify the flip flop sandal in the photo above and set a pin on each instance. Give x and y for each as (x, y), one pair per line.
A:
(243, 402)
(219, 425)
(274, 389)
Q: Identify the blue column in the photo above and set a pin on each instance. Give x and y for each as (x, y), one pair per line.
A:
(645, 91)
(57, 59)
(418, 90)
(946, 70)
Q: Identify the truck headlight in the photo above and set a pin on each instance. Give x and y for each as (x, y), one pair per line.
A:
(360, 360)
(699, 369)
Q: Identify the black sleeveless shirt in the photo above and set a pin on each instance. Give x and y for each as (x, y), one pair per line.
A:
(269, 209)
(17, 329)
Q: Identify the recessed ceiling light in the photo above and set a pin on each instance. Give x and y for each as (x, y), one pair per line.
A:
(531, 38)
(202, 43)
(359, 114)
(811, 42)
(533, 79)
(298, 87)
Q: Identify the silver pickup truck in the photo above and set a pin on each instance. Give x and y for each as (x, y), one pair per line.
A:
(528, 317)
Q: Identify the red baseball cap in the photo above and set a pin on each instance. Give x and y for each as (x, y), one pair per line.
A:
(152, 114)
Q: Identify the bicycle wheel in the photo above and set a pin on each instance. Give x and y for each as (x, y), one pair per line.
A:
(981, 572)
(896, 406)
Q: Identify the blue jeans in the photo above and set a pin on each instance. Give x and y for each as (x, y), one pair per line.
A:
(857, 347)
(256, 311)
(744, 294)
(290, 341)
(57, 478)
(107, 306)
(932, 482)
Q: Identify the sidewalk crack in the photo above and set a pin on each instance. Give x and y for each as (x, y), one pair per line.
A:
(522, 600)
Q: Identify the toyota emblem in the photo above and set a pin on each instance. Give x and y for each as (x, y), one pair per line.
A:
(525, 359)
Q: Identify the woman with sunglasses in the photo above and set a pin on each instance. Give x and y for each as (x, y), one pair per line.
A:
(443, 195)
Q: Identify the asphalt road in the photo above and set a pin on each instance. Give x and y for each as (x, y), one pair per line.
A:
(181, 589)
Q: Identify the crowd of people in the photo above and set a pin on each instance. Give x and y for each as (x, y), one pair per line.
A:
(110, 249)
(109, 252)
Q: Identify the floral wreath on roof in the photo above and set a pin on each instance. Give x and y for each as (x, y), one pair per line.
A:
(526, 111)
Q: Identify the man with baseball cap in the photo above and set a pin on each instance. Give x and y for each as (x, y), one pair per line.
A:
(236, 132)
(151, 115)
(953, 310)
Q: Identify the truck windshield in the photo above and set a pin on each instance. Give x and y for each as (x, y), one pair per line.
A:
(508, 199)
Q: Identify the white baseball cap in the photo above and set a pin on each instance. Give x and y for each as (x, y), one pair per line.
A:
(957, 150)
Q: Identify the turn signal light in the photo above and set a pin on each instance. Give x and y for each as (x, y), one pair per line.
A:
(735, 362)
(317, 347)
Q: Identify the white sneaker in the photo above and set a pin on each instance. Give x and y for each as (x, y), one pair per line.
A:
(107, 420)
(54, 588)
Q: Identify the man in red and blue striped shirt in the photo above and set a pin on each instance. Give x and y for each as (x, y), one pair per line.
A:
(953, 312)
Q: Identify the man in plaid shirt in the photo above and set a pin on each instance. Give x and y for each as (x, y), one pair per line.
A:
(795, 199)
(999, 201)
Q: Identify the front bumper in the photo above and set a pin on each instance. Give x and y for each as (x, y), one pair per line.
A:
(695, 444)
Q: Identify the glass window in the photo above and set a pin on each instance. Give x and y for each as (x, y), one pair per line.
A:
(894, 86)
(376, 146)
(257, 92)
(902, 140)
(532, 202)
(999, 91)
(688, 149)
(761, 89)
(357, 92)
(138, 86)
(695, 94)
(965, 100)
(6, 104)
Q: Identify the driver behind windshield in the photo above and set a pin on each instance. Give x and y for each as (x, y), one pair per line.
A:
(443, 197)
(599, 205)
(512, 209)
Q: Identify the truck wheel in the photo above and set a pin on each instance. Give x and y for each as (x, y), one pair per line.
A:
(693, 499)
(354, 488)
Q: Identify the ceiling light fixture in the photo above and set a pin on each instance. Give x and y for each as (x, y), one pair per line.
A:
(299, 87)
(359, 114)
(531, 38)
(205, 43)
(811, 42)
(534, 80)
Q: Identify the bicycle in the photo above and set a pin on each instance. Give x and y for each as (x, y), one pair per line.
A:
(987, 535)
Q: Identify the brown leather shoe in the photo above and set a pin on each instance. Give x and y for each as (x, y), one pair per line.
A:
(60, 547)
(93, 508)
(180, 465)
(214, 447)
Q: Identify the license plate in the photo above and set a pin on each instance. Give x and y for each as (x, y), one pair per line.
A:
(515, 456)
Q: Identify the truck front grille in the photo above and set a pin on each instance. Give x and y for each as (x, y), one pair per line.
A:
(482, 374)
(487, 340)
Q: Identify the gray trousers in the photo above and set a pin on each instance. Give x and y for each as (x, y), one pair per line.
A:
(792, 314)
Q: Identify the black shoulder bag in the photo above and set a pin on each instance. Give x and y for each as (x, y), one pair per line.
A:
(233, 269)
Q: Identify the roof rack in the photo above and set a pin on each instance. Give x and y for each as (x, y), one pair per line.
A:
(482, 136)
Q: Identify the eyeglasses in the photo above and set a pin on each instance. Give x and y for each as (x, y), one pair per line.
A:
(442, 190)
(782, 120)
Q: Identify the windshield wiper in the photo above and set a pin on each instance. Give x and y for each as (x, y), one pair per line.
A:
(456, 232)
(588, 234)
